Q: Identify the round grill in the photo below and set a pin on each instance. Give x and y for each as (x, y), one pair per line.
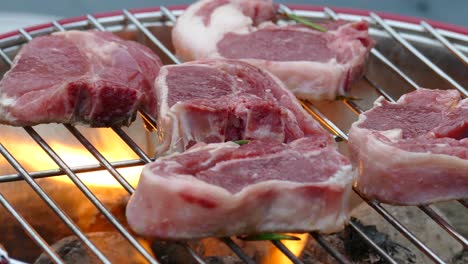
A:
(409, 54)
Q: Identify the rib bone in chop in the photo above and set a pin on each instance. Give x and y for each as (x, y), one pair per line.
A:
(222, 100)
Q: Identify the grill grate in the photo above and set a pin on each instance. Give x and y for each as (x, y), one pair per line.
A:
(165, 15)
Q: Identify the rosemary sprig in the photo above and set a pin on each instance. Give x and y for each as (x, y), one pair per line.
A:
(349, 98)
(241, 142)
(306, 22)
(268, 236)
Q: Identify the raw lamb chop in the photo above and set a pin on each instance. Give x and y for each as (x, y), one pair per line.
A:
(312, 64)
(414, 151)
(79, 77)
(223, 100)
(223, 189)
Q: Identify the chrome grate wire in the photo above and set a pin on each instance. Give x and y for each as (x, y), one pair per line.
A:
(111, 167)
(30, 231)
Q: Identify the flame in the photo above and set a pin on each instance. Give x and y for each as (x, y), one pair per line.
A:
(295, 246)
(73, 154)
(77, 157)
(113, 149)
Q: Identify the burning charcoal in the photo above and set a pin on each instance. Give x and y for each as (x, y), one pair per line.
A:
(357, 249)
(113, 245)
(211, 249)
(314, 253)
(214, 247)
(223, 260)
(71, 250)
(169, 252)
(456, 215)
(398, 247)
(461, 258)
(417, 222)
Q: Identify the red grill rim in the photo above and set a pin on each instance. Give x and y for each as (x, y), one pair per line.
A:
(352, 11)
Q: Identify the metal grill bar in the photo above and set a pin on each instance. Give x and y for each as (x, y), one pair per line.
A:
(286, 252)
(152, 37)
(383, 59)
(171, 55)
(88, 145)
(30, 231)
(379, 89)
(118, 177)
(445, 42)
(309, 107)
(192, 252)
(417, 53)
(76, 170)
(168, 14)
(377, 54)
(378, 208)
(403, 229)
(91, 197)
(448, 227)
(372, 244)
(329, 248)
(236, 249)
(149, 120)
(335, 130)
(408, 234)
(313, 111)
(58, 26)
(41, 193)
(5, 57)
(46, 198)
(394, 221)
(95, 23)
(426, 209)
(147, 117)
(374, 51)
(133, 145)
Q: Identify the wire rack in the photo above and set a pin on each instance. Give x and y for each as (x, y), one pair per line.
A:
(402, 32)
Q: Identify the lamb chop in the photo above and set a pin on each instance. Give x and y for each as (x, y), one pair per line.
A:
(90, 77)
(313, 65)
(414, 151)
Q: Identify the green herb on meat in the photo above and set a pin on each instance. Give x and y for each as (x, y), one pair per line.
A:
(241, 142)
(305, 22)
(268, 236)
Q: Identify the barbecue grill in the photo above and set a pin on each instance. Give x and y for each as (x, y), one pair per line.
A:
(409, 54)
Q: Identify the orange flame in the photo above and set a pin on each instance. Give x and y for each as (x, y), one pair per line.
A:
(113, 149)
(73, 154)
(275, 256)
(78, 157)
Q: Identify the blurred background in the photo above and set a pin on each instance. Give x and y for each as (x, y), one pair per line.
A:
(21, 13)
